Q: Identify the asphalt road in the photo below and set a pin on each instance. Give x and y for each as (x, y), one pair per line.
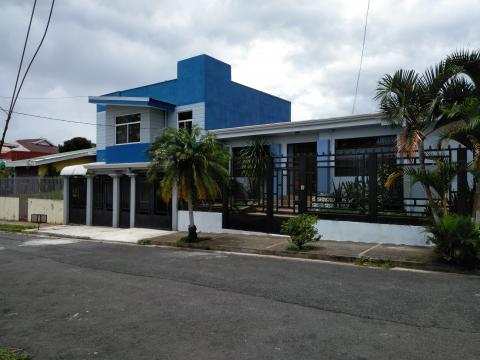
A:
(87, 300)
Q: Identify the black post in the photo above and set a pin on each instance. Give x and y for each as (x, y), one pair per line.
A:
(372, 187)
(225, 209)
(269, 188)
(462, 184)
(302, 206)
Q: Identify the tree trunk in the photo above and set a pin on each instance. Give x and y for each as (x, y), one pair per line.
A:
(192, 229)
(428, 191)
(476, 195)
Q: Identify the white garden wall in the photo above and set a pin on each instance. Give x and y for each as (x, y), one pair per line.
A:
(52, 208)
(9, 208)
(205, 221)
(372, 232)
(330, 229)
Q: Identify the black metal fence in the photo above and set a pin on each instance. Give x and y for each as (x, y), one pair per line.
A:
(40, 187)
(340, 187)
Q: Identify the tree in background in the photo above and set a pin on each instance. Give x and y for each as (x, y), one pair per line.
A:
(76, 143)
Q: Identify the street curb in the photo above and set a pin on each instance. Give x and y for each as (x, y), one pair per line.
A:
(416, 265)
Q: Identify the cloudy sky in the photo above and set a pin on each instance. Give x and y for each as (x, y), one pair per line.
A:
(305, 51)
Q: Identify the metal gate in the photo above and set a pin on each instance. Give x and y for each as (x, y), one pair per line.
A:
(102, 200)
(150, 209)
(77, 200)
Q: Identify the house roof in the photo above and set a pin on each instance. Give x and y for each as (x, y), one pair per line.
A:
(53, 158)
(41, 145)
(305, 125)
(129, 100)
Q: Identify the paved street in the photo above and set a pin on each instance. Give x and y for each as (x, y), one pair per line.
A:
(69, 299)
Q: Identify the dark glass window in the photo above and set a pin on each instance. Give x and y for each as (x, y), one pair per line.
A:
(351, 154)
(185, 120)
(127, 129)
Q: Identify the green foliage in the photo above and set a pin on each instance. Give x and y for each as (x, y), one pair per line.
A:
(351, 195)
(16, 227)
(199, 163)
(254, 162)
(301, 230)
(457, 240)
(76, 143)
(14, 354)
(381, 263)
(144, 242)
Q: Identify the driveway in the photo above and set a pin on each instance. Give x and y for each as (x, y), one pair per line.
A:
(69, 299)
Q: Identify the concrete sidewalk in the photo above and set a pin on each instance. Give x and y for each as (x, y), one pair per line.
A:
(103, 233)
(417, 257)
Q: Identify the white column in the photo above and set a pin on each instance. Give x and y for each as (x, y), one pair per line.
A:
(174, 208)
(66, 199)
(116, 200)
(132, 198)
(89, 205)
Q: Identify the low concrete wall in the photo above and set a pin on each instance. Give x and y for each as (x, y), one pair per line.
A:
(52, 208)
(372, 233)
(205, 221)
(330, 229)
(9, 208)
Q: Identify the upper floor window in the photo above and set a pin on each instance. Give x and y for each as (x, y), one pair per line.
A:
(127, 129)
(185, 120)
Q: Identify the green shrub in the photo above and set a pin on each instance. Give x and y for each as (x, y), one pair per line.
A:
(457, 240)
(13, 354)
(301, 229)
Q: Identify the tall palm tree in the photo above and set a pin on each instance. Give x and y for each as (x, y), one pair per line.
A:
(461, 113)
(413, 101)
(195, 163)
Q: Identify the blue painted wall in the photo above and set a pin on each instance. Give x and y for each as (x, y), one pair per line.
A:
(227, 104)
(127, 153)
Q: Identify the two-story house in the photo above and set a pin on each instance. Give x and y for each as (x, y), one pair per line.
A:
(114, 191)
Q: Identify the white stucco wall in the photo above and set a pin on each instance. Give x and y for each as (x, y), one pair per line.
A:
(9, 208)
(198, 114)
(52, 208)
(372, 233)
(205, 221)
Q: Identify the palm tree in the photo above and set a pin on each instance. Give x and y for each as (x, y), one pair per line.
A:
(254, 162)
(195, 163)
(461, 120)
(413, 101)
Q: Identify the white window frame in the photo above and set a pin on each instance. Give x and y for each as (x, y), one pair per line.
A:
(127, 125)
(184, 121)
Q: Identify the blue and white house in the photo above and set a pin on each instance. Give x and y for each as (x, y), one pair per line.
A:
(114, 190)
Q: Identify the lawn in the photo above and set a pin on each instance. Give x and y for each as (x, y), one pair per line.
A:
(16, 228)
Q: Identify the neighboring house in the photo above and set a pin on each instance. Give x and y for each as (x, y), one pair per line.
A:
(114, 190)
(27, 149)
(51, 165)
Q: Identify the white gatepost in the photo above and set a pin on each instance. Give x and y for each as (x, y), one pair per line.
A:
(116, 200)
(132, 198)
(89, 204)
(66, 199)
(175, 207)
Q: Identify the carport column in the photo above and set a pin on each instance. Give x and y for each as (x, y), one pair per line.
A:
(89, 205)
(116, 200)
(66, 199)
(132, 198)
(175, 207)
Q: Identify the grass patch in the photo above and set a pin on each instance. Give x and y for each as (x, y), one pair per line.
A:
(184, 240)
(293, 247)
(380, 263)
(16, 228)
(14, 354)
(144, 242)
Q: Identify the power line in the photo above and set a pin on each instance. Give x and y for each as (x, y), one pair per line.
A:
(16, 91)
(361, 58)
(47, 98)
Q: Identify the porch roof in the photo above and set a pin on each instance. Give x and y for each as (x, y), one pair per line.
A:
(131, 101)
